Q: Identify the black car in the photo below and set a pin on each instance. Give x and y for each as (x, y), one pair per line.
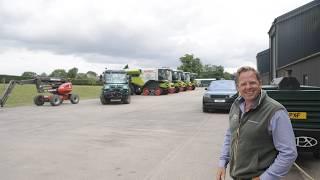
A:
(219, 95)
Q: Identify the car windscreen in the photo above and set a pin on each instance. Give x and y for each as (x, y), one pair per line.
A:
(222, 86)
(115, 77)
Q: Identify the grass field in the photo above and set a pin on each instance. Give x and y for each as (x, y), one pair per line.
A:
(22, 95)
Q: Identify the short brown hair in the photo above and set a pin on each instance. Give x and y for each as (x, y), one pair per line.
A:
(245, 69)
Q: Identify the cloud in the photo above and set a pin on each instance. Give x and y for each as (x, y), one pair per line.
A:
(144, 33)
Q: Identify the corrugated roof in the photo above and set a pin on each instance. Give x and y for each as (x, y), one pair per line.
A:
(295, 12)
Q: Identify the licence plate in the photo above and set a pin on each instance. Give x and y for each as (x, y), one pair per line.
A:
(219, 100)
(298, 115)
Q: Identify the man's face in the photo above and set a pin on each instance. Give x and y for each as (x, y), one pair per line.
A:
(248, 86)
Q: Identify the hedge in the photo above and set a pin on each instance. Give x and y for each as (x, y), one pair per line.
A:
(8, 78)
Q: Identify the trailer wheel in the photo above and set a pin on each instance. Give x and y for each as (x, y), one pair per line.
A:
(74, 99)
(316, 154)
(38, 100)
(55, 100)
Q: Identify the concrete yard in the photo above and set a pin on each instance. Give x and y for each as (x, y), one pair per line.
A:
(153, 138)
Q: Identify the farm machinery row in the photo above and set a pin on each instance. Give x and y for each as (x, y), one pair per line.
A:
(55, 90)
(119, 85)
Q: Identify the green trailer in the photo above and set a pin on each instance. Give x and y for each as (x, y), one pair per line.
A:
(303, 105)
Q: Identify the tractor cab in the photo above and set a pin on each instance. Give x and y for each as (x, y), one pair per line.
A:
(115, 87)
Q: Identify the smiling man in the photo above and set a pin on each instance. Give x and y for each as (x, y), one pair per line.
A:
(259, 143)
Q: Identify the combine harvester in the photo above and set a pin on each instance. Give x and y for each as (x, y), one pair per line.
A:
(151, 81)
(177, 80)
(60, 90)
(189, 79)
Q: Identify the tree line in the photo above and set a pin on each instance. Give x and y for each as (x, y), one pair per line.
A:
(189, 63)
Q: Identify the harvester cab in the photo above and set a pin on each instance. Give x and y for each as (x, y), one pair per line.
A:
(183, 85)
(193, 80)
(177, 80)
(186, 80)
(115, 87)
(60, 90)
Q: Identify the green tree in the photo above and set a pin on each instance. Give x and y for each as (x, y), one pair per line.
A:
(81, 76)
(29, 74)
(72, 73)
(227, 75)
(61, 73)
(43, 74)
(91, 75)
(190, 64)
(212, 71)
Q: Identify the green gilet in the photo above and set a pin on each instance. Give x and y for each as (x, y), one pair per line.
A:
(252, 150)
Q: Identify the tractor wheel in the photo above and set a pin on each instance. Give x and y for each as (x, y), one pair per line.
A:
(145, 91)
(137, 91)
(74, 98)
(126, 100)
(38, 100)
(55, 100)
(158, 91)
(103, 100)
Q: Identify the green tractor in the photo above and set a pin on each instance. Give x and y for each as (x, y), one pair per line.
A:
(177, 80)
(151, 81)
(115, 87)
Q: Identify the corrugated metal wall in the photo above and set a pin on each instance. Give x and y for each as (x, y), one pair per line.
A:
(298, 34)
(263, 61)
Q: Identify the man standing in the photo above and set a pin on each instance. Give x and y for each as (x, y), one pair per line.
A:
(259, 143)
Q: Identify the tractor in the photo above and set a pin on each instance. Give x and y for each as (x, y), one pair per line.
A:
(151, 81)
(115, 87)
(60, 90)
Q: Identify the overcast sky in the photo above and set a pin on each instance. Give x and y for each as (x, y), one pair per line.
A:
(43, 35)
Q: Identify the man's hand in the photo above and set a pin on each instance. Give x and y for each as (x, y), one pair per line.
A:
(221, 173)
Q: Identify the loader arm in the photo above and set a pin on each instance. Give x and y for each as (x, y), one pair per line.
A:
(11, 85)
(7, 92)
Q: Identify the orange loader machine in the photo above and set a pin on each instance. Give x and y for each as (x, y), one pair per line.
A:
(58, 89)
